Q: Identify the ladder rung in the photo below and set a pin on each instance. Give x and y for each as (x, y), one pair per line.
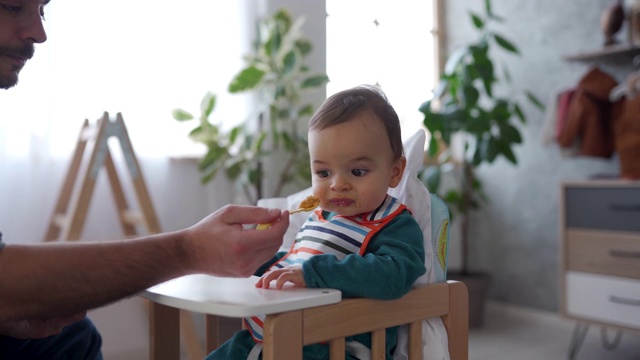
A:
(61, 220)
(133, 217)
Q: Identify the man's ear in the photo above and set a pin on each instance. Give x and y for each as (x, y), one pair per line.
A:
(397, 171)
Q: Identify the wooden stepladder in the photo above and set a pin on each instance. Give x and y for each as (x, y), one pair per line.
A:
(69, 216)
(67, 222)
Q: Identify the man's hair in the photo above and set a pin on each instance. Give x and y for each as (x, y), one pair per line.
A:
(345, 105)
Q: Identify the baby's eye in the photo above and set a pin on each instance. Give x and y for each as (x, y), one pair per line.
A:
(359, 172)
(42, 13)
(322, 173)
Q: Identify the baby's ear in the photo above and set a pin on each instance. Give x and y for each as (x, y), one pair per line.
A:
(397, 171)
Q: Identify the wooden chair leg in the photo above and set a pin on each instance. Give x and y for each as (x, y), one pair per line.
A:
(457, 321)
(283, 336)
(164, 332)
(212, 333)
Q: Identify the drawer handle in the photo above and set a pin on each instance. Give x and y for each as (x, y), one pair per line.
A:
(624, 301)
(625, 254)
(624, 207)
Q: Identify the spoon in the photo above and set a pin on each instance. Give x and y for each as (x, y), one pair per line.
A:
(307, 204)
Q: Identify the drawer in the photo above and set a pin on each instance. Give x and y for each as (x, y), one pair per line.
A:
(608, 253)
(605, 208)
(603, 298)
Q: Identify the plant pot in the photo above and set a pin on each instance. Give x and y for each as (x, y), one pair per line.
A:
(477, 285)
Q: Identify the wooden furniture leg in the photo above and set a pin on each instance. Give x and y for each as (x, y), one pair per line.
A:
(164, 332)
(457, 321)
(283, 336)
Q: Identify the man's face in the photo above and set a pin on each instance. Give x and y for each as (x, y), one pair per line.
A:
(20, 28)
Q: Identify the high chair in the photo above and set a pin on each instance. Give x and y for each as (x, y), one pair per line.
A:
(433, 316)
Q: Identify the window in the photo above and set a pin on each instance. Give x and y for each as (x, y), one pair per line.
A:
(384, 42)
(141, 58)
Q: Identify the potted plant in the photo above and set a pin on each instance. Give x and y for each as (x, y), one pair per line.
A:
(277, 74)
(466, 107)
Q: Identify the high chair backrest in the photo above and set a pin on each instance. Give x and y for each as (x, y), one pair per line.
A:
(432, 215)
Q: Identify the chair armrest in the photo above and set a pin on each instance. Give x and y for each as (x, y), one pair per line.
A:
(353, 316)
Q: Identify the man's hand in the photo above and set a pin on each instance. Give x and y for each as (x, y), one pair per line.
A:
(35, 329)
(225, 247)
(292, 274)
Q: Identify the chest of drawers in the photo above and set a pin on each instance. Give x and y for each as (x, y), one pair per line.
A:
(600, 252)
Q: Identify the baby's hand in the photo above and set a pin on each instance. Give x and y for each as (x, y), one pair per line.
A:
(292, 274)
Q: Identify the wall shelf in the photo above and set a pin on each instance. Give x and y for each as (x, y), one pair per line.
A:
(614, 52)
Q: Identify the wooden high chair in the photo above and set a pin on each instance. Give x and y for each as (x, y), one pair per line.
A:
(298, 317)
(301, 316)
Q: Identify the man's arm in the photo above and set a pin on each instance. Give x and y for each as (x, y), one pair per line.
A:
(50, 280)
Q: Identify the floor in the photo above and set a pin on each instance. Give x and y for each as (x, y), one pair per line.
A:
(517, 333)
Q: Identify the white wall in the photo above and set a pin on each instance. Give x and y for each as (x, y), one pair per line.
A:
(515, 236)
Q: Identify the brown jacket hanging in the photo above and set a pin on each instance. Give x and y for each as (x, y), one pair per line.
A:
(590, 116)
(627, 138)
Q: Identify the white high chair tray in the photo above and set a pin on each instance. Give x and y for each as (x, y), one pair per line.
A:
(235, 297)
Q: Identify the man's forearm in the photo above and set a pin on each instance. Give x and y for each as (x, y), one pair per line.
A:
(38, 281)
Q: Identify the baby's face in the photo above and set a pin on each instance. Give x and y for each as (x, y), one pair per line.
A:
(352, 165)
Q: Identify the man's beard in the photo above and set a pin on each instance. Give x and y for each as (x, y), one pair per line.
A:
(11, 79)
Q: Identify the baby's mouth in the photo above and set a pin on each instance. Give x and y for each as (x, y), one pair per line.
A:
(342, 202)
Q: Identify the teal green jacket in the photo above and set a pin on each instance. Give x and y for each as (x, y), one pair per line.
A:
(392, 262)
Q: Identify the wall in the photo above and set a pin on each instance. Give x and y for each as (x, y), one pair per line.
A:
(515, 236)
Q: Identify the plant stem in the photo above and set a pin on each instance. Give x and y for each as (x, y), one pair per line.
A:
(467, 194)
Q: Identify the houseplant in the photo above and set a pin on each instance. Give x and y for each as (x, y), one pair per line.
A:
(466, 110)
(276, 73)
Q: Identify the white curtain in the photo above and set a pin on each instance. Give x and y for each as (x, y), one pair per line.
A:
(385, 42)
(142, 58)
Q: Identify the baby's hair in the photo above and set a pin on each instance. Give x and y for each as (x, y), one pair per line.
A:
(345, 105)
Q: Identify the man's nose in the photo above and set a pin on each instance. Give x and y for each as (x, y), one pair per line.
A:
(33, 29)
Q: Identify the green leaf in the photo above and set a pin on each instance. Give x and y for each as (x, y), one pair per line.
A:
(506, 151)
(304, 47)
(289, 63)
(207, 104)
(234, 169)
(209, 175)
(506, 44)
(492, 149)
(476, 20)
(260, 142)
(314, 81)
(307, 110)
(509, 134)
(534, 100)
(519, 113)
(478, 125)
(434, 147)
(425, 107)
(283, 17)
(234, 133)
(487, 8)
(181, 115)
(455, 59)
(440, 88)
(247, 79)
(197, 130)
(213, 156)
(470, 96)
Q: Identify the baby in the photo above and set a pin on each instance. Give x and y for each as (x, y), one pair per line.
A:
(361, 240)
